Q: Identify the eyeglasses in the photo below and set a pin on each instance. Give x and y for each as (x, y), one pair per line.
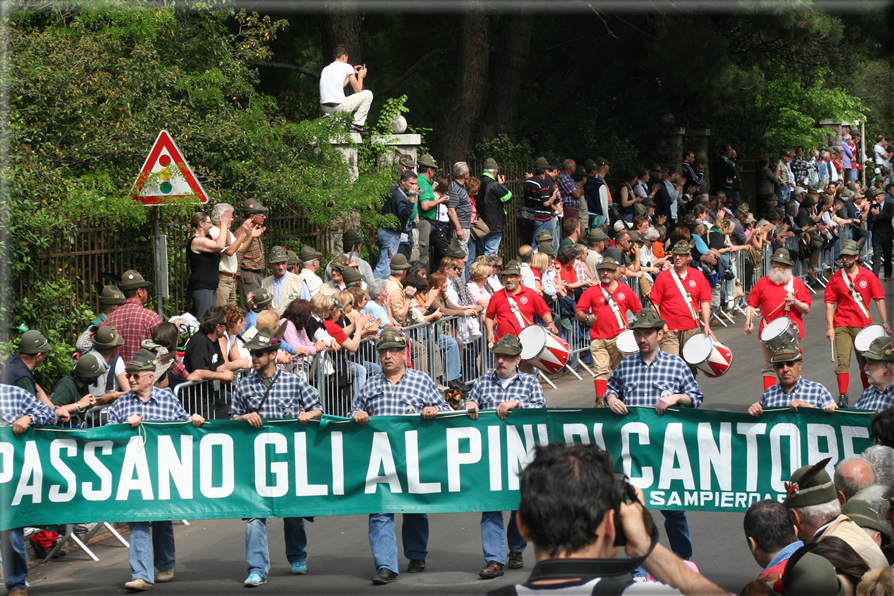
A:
(133, 375)
(454, 268)
(257, 353)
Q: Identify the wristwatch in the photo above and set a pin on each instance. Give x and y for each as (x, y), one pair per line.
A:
(517, 403)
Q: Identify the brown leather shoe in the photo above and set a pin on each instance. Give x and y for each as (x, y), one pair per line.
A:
(600, 402)
(515, 561)
(491, 570)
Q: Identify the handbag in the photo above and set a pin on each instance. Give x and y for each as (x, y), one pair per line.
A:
(480, 229)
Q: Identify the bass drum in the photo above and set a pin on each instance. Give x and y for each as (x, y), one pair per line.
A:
(709, 356)
(626, 343)
(543, 350)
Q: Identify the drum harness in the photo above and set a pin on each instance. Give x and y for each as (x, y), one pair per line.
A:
(857, 296)
(519, 315)
(687, 297)
(609, 300)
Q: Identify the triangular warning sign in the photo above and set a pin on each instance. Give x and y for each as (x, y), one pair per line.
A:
(165, 174)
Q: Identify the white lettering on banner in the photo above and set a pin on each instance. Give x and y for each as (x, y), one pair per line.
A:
(71, 483)
(279, 470)
(174, 467)
(134, 460)
(848, 434)
(674, 500)
(7, 452)
(380, 456)
(302, 486)
(642, 430)
(579, 431)
(778, 478)
(455, 458)
(814, 453)
(597, 435)
(207, 467)
(338, 464)
(30, 468)
(751, 430)
(105, 477)
(518, 454)
(414, 485)
(722, 500)
(494, 458)
(674, 450)
(711, 457)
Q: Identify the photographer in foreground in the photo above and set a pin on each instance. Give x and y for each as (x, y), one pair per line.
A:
(572, 508)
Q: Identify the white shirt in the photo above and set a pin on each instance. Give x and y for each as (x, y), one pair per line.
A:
(228, 264)
(527, 276)
(880, 156)
(332, 82)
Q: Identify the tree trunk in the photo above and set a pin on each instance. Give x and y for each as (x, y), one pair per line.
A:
(510, 66)
(467, 100)
(340, 25)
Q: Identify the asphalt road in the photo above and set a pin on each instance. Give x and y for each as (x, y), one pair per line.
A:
(211, 554)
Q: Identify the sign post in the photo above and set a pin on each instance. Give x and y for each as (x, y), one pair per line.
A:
(164, 175)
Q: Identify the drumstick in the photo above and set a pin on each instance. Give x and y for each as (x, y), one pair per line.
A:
(832, 344)
(775, 309)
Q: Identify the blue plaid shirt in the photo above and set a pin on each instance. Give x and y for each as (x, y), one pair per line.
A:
(488, 393)
(873, 399)
(15, 402)
(289, 396)
(414, 391)
(161, 405)
(809, 391)
(639, 384)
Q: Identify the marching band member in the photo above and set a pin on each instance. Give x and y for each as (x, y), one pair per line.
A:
(513, 308)
(778, 294)
(847, 297)
(604, 307)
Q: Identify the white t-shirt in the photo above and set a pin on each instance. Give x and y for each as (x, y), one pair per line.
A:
(228, 264)
(880, 156)
(332, 82)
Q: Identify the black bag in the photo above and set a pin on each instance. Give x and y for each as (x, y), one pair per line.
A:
(440, 236)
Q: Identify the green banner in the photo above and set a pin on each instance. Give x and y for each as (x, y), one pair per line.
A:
(689, 459)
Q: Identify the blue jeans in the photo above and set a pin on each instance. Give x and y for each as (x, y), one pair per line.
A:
(489, 245)
(468, 245)
(383, 541)
(783, 193)
(203, 300)
(493, 538)
(387, 241)
(15, 562)
(676, 526)
(145, 558)
(358, 378)
(451, 357)
(257, 553)
(540, 226)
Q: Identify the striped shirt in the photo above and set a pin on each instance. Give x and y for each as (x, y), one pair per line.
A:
(415, 390)
(161, 405)
(808, 391)
(639, 384)
(289, 396)
(873, 399)
(15, 402)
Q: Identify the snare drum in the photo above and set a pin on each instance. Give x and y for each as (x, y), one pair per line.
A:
(709, 356)
(865, 337)
(626, 343)
(542, 349)
(779, 332)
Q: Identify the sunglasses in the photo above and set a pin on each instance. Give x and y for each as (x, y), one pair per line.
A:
(780, 365)
(258, 353)
(133, 375)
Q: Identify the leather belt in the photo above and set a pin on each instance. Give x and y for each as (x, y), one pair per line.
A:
(251, 270)
(332, 105)
(224, 273)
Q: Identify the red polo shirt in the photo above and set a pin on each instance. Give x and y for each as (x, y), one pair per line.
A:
(848, 313)
(768, 296)
(606, 324)
(529, 303)
(671, 303)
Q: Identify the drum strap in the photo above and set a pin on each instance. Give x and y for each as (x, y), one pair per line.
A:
(609, 299)
(519, 315)
(855, 294)
(687, 297)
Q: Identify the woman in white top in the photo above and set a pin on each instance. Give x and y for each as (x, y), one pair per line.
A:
(231, 344)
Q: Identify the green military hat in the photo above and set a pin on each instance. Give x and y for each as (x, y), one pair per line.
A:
(681, 248)
(351, 276)
(350, 238)
(427, 161)
(391, 339)
(741, 212)
(850, 247)
(111, 295)
(511, 268)
(862, 514)
(260, 299)
(508, 345)
(852, 186)
(689, 221)
(34, 342)
(88, 367)
(881, 348)
(657, 168)
(454, 251)
(541, 163)
(263, 340)
(131, 280)
(407, 161)
(810, 485)
(144, 360)
(808, 575)
(635, 237)
(589, 165)
(776, 213)
(107, 336)
(601, 161)
(309, 253)
(543, 236)
(546, 248)
(846, 194)
(596, 235)
(339, 263)
(293, 258)
(648, 202)
(399, 263)
(647, 318)
(490, 164)
(607, 263)
(808, 201)
(250, 206)
(279, 254)
(787, 352)
(782, 256)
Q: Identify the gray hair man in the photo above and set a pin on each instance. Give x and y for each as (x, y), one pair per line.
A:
(459, 211)
(851, 476)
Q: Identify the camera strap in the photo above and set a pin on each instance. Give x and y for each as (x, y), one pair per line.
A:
(589, 568)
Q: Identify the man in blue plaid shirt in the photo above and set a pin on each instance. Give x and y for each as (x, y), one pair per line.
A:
(880, 393)
(502, 390)
(145, 402)
(21, 410)
(654, 378)
(270, 393)
(792, 391)
(397, 391)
